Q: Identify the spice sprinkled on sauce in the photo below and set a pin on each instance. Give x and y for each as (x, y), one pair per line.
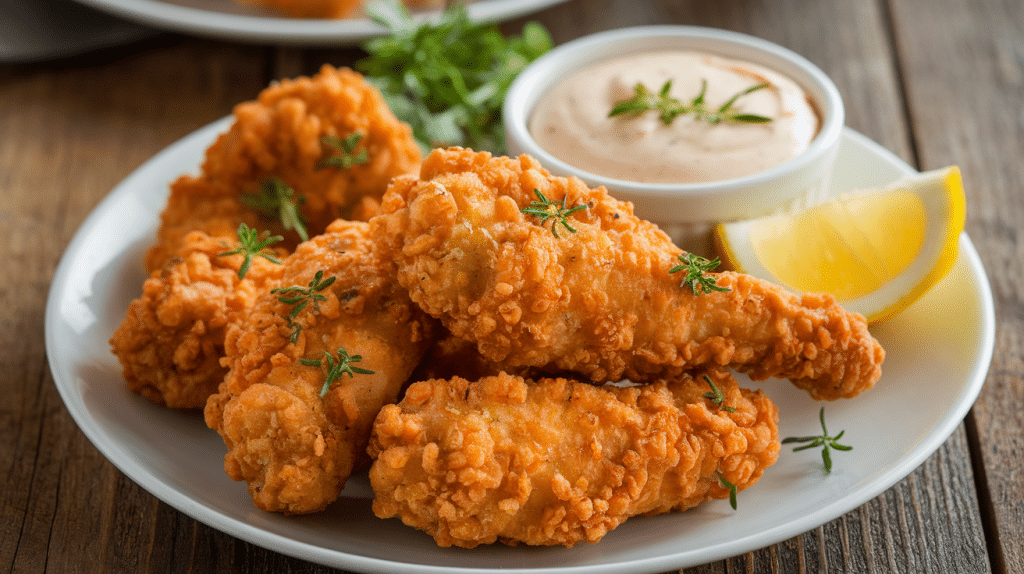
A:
(572, 121)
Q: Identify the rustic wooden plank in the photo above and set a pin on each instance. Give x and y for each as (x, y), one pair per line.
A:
(965, 77)
(71, 130)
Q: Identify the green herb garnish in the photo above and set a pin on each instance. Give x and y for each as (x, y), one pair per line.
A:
(278, 200)
(546, 209)
(253, 244)
(730, 486)
(669, 108)
(696, 267)
(824, 441)
(448, 78)
(347, 155)
(300, 297)
(335, 369)
(716, 395)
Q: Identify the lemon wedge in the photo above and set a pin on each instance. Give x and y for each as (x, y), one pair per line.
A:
(877, 251)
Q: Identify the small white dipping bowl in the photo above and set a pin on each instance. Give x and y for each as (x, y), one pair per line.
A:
(687, 211)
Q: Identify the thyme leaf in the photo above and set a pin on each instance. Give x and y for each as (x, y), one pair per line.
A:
(824, 440)
(253, 244)
(300, 297)
(732, 489)
(546, 209)
(346, 155)
(336, 368)
(277, 199)
(669, 108)
(716, 395)
(696, 268)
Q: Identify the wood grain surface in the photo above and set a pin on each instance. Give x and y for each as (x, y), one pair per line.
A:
(938, 82)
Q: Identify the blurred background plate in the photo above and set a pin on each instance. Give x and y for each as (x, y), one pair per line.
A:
(233, 20)
(34, 30)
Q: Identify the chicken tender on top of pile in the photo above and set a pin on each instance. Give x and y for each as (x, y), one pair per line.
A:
(311, 364)
(172, 338)
(331, 143)
(328, 144)
(579, 283)
(559, 462)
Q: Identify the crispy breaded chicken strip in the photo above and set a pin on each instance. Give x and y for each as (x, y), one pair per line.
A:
(294, 444)
(599, 301)
(559, 462)
(295, 132)
(197, 204)
(172, 338)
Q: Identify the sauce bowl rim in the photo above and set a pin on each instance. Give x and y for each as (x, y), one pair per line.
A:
(540, 76)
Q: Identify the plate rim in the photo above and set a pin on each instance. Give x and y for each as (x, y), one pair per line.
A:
(280, 30)
(140, 474)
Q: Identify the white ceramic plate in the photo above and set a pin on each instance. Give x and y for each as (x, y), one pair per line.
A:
(233, 20)
(938, 356)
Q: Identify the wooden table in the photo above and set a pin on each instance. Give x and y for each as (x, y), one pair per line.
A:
(938, 82)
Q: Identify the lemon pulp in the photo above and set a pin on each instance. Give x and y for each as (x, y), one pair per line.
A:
(876, 251)
(861, 244)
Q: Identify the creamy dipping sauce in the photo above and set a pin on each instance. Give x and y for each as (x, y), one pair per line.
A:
(571, 121)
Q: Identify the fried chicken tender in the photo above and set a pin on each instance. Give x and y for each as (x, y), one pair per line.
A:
(557, 462)
(597, 299)
(172, 338)
(197, 204)
(281, 135)
(294, 445)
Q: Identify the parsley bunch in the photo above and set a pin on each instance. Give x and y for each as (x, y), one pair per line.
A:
(448, 78)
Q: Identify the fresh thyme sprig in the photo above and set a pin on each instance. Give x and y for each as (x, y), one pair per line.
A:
(300, 297)
(253, 244)
(696, 267)
(546, 209)
(826, 442)
(335, 369)
(669, 108)
(716, 395)
(347, 155)
(732, 489)
(276, 199)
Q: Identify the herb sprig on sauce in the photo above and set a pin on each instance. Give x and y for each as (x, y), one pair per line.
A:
(670, 108)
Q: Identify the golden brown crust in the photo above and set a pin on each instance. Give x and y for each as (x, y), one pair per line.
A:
(172, 339)
(294, 448)
(600, 301)
(278, 135)
(556, 462)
